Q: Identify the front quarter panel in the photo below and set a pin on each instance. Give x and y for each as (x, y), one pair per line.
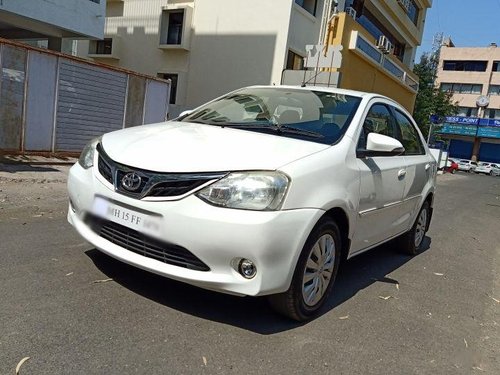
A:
(325, 180)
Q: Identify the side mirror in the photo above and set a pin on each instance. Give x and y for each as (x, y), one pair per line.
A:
(381, 145)
(185, 113)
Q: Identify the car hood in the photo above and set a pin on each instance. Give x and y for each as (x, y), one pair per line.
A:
(188, 147)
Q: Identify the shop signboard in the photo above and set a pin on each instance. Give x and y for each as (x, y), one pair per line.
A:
(458, 129)
(489, 131)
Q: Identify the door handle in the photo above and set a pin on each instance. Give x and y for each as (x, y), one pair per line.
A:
(401, 173)
(427, 166)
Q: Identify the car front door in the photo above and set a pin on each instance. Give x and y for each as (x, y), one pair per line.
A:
(382, 184)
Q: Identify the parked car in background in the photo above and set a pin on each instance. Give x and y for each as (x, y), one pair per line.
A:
(488, 168)
(451, 166)
(260, 192)
(466, 165)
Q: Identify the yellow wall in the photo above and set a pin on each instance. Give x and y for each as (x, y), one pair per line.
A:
(358, 73)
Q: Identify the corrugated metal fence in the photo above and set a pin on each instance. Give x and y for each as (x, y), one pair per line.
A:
(52, 102)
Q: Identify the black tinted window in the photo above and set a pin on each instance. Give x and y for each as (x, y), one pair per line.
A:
(378, 120)
(408, 135)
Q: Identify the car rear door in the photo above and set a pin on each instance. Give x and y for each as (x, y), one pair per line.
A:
(419, 166)
(382, 183)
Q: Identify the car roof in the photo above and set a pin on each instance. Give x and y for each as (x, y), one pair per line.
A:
(333, 90)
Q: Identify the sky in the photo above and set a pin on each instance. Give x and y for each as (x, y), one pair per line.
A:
(470, 23)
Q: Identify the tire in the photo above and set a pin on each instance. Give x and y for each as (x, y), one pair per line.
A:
(296, 303)
(453, 171)
(491, 173)
(411, 242)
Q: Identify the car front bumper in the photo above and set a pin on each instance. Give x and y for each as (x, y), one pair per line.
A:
(217, 236)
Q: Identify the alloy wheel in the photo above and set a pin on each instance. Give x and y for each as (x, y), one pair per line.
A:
(420, 229)
(319, 270)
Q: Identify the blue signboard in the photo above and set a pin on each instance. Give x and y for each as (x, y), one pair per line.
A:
(458, 129)
(462, 120)
(489, 122)
(472, 121)
(488, 131)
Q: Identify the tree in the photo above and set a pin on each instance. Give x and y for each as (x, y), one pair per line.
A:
(430, 99)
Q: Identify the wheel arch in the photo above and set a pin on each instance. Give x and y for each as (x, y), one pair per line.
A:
(342, 220)
(429, 199)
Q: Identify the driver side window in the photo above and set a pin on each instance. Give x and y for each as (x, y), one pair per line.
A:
(378, 120)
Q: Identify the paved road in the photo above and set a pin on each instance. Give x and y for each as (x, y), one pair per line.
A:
(442, 317)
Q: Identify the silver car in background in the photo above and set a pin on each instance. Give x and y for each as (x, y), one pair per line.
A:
(466, 165)
(488, 168)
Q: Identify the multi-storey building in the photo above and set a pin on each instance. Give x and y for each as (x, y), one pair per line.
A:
(209, 47)
(472, 75)
(379, 39)
(51, 23)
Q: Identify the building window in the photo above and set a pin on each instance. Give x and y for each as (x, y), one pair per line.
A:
(496, 66)
(492, 113)
(294, 61)
(413, 11)
(467, 111)
(173, 87)
(465, 66)
(309, 5)
(376, 29)
(494, 90)
(462, 88)
(172, 23)
(102, 47)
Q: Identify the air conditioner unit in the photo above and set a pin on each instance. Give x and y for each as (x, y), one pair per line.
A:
(384, 45)
(351, 11)
(405, 4)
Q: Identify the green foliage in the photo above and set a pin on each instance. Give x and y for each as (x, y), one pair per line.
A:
(430, 99)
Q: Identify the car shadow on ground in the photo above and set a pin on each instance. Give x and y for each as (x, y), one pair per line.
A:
(253, 314)
(22, 167)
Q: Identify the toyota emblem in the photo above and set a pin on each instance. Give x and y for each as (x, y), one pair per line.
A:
(131, 181)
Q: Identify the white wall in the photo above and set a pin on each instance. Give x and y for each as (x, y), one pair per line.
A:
(82, 17)
(232, 43)
(236, 43)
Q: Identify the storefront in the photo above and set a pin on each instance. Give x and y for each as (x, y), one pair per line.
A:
(472, 138)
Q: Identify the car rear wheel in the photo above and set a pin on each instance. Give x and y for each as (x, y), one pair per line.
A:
(411, 242)
(314, 274)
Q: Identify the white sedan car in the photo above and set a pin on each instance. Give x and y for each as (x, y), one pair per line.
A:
(488, 168)
(467, 165)
(260, 192)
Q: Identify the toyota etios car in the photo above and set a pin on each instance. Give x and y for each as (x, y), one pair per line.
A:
(259, 192)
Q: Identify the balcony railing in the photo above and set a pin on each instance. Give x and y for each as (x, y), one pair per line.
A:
(364, 47)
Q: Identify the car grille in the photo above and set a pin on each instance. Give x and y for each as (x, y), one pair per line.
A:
(152, 184)
(144, 245)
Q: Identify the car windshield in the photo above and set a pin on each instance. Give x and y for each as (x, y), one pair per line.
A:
(310, 115)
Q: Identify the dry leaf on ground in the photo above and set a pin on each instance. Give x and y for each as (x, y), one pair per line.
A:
(384, 298)
(18, 367)
(101, 281)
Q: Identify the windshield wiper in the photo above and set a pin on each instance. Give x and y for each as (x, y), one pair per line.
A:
(278, 129)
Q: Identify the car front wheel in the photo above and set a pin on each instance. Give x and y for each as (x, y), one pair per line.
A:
(314, 274)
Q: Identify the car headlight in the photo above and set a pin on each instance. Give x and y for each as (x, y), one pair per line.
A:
(261, 191)
(86, 158)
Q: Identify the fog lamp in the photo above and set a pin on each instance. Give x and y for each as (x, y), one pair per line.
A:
(247, 268)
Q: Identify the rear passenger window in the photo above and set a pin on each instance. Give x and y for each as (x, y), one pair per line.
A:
(378, 120)
(408, 135)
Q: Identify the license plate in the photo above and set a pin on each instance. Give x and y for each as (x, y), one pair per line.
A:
(139, 221)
